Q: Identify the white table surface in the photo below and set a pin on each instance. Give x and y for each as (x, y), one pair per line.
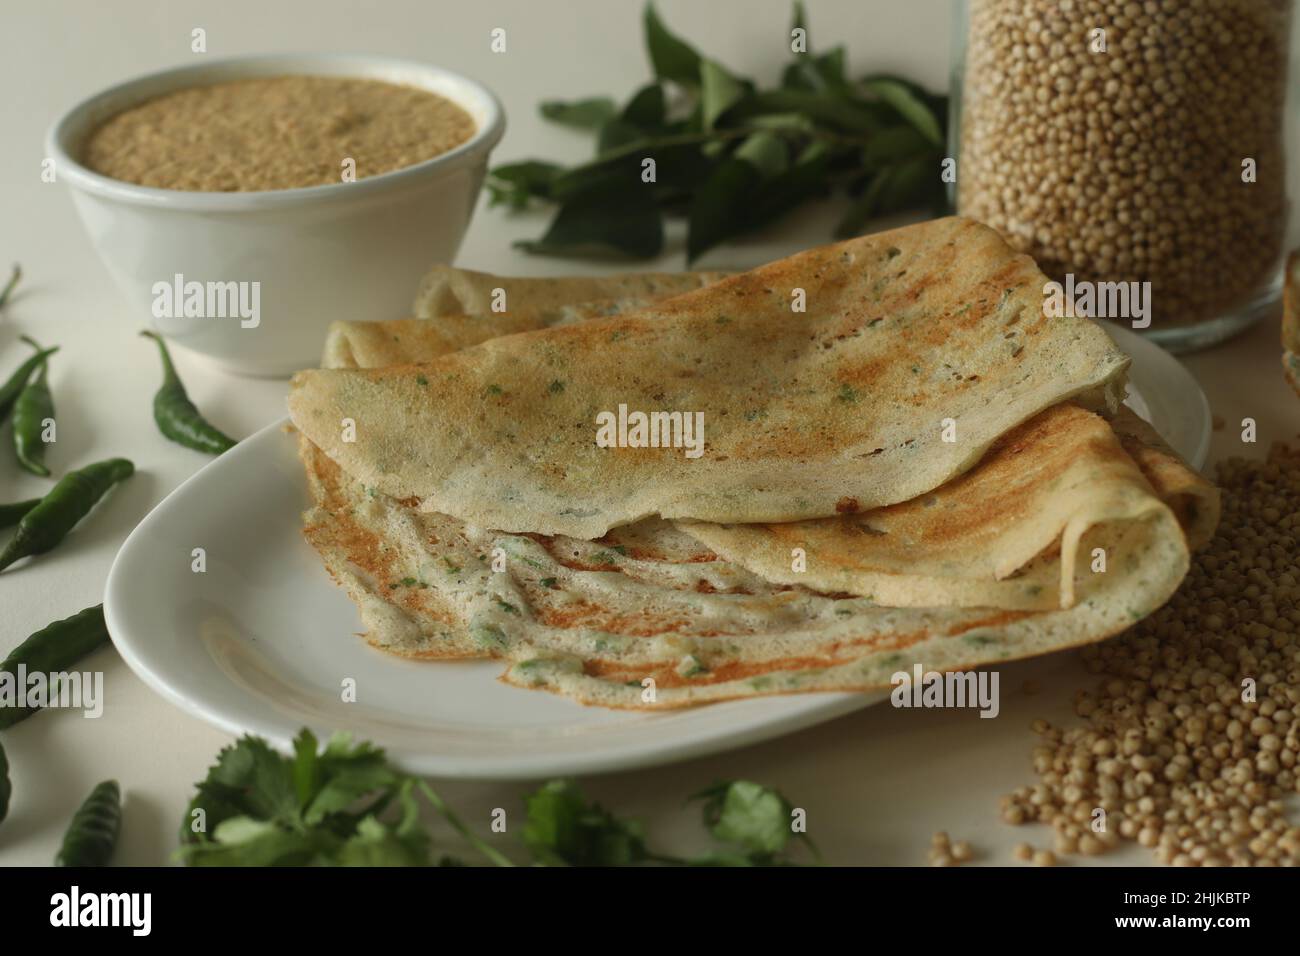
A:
(875, 784)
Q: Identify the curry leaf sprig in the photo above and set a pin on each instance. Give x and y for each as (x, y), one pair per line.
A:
(344, 805)
(729, 155)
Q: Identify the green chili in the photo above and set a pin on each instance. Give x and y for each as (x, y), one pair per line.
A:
(11, 514)
(92, 834)
(11, 389)
(6, 788)
(9, 286)
(67, 503)
(33, 408)
(53, 649)
(177, 417)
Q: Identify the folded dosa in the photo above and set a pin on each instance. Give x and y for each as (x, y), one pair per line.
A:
(595, 619)
(446, 290)
(984, 562)
(918, 349)
(458, 308)
(1005, 534)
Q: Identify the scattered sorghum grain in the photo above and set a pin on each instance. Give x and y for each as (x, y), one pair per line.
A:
(1170, 745)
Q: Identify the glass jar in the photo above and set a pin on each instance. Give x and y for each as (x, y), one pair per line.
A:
(1132, 142)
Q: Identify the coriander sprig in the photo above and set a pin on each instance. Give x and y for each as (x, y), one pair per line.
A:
(703, 143)
(345, 805)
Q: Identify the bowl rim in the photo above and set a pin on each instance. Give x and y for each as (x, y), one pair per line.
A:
(77, 118)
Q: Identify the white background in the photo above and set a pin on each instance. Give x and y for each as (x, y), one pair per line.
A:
(875, 784)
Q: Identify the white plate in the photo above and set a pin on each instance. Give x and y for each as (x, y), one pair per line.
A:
(262, 641)
(1163, 392)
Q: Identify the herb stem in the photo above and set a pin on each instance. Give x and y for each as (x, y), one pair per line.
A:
(498, 858)
(640, 146)
(9, 286)
(666, 860)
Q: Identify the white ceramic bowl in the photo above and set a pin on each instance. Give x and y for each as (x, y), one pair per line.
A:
(343, 251)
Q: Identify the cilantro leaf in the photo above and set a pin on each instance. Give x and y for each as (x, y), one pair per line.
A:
(249, 779)
(753, 818)
(306, 768)
(244, 841)
(348, 774)
(563, 828)
(262, 809)
(404, 843)
(343, 804)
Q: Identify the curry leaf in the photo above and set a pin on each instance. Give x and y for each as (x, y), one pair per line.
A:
(647, 108)
(797, 122)
(721, 147)
(937, 103)
(766, 152)
(514, 184)
(893, 145)
(671, 58)
(801, 181)
(908, 105)
(751, 188)
(913, 182)
(799, 21)
(817, 73)
(584, 114)
(719, 91)
(718, 208)
(615, 134)
(613, 218)
(833, 111)
(866, 205)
